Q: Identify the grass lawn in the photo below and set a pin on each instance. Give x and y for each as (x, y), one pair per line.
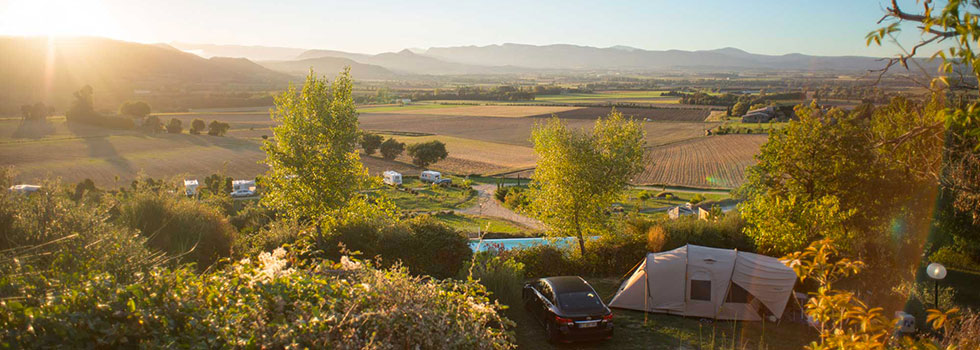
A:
(632, 201)
(496, 227)
(429, 198)
(639, 330)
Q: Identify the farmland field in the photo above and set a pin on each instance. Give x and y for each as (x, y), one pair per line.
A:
(477, 145)
(645, 97)
(716, 161)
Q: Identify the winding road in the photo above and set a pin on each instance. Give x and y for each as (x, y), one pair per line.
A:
(487, 206)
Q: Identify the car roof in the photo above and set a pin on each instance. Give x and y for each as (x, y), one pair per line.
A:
(568, 284)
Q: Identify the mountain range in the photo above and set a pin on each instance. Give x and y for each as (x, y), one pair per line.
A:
(520, 58)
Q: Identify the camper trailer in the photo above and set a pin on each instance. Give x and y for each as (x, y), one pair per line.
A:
(24, 189)
(243, 188)
(433, 177)
(190, 187)
(392, 178)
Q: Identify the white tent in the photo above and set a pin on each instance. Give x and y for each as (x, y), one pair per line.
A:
(708, 282)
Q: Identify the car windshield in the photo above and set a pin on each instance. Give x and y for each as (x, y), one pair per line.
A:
(579, 301)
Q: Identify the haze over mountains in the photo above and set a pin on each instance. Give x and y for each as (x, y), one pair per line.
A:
(517, 58)
(36, 69)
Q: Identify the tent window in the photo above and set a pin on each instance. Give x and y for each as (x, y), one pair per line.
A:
(737, 294)
(700, 290)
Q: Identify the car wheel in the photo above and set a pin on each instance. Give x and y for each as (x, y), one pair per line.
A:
(553, 335)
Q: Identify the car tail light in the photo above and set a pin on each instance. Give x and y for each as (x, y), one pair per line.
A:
(562, 320)
(607, 317)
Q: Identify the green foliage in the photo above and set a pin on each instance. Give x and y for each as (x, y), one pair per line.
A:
(216, 128)
(780, 225)
(517, 199)
(371, 142)
(135, 109)
(504, 278)
(269, 237)
(184, 228)
(426, 153)
(268, 303)
(315, 169)
(422, 244)
(197, 126)
(501, 193)
(740, 108)
(697, 198)
(952, 258)
(644, 195)
(82, 110)
(152, 125)
(580, 174)
(390, 149)
(174, 127)
(218, 184)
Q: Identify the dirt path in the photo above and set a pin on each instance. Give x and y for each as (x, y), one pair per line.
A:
(487, 206)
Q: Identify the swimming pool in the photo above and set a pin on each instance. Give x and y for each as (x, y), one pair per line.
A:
(511, 243)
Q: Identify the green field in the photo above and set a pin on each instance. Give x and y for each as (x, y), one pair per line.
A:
(633, 203)
(610, 96)
(429, 198)
(494, 227)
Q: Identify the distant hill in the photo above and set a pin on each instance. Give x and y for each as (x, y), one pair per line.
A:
(255, 53)
(329, 66)
(408, 62)
(574, 57)
(35, 69)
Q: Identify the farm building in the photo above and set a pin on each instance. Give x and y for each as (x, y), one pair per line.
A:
(393, 178)
(677, 212)
(768, 114)
(715, 283)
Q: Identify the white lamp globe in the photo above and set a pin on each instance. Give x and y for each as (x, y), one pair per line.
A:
(936, 271)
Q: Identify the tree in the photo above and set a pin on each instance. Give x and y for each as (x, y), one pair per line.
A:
(197, 126)
(580, 175)
(425, 153)
(82, 107)
(134, 108)
(174, 126)
(740, 108)
(217, 128)
(370, 142)
(315, 171)
(390, 149)
(152, 124)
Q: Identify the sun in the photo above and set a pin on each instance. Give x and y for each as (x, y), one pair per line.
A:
(57, 18)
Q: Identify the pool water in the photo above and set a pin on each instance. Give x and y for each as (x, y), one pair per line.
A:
(511, 243)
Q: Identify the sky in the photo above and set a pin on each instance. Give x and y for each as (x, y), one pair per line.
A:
(826, 27)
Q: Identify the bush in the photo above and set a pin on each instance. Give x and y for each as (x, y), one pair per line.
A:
(697, 198)
(197, 126)
(950, 257)
(184, 228)
(516, 199)
(391, 149)
(501, 193)
(370, 143)
(252, 218)
(504, 278)
(49, 241)
(544, 261)
(424, 245)
(426, 153)
(266, 303)
(152, 125)
(174, 127)
(271, 236)
(644, 195)
(217, 128)
(135, 108)
(726, 232)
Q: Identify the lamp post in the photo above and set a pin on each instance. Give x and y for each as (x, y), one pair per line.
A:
(936, 271)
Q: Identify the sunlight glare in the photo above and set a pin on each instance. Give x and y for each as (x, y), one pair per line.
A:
(57, 18)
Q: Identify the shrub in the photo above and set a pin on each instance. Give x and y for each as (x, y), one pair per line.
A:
(49, 241)
(697, 198)
(266, 303)
(391, 149)
(152, 124)
(501, 193)
(543, 260)
(950, 257)
(197, 126)
(216, 128)
(613, 254)
(424, 245)
(504, 278)
(426, 153)
(187, 229)
(644, 195)
(271, 236)
(517, 199)
(174, 127)
(135, 108)
(726, 232)
(370, 143)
